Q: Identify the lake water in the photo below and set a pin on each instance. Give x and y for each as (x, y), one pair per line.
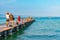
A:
(41, 29)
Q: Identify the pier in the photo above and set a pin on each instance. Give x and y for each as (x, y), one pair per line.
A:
(5, 31)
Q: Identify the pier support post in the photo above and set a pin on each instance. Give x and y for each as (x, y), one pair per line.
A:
(18, 28)
(10, 31)
(0, 34)
(24, 25)
(5, 33)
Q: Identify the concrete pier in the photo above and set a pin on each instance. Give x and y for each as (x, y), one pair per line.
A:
(5, 31)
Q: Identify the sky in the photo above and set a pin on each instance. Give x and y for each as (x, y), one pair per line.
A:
(31, 7)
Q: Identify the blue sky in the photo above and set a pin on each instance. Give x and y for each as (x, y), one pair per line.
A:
(31, 7)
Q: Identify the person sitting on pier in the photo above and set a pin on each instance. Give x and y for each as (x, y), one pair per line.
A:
(11, 19)
(29, 19)
(18, 20)
(7, 19)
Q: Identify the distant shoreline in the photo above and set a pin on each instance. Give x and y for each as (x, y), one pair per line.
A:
(36, 17)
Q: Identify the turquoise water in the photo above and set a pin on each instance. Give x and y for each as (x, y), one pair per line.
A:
(2, 20)
(41, 29)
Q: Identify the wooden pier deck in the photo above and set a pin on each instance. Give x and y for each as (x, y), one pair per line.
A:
(5, 31)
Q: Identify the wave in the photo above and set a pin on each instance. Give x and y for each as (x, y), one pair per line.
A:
(43, 36)
(47, 17)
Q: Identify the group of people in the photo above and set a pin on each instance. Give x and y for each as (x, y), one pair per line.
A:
(28, 19)
(10, 20)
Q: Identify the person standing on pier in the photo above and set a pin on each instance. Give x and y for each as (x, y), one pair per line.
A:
(18, 20)
(7, 19)
(11, 19)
